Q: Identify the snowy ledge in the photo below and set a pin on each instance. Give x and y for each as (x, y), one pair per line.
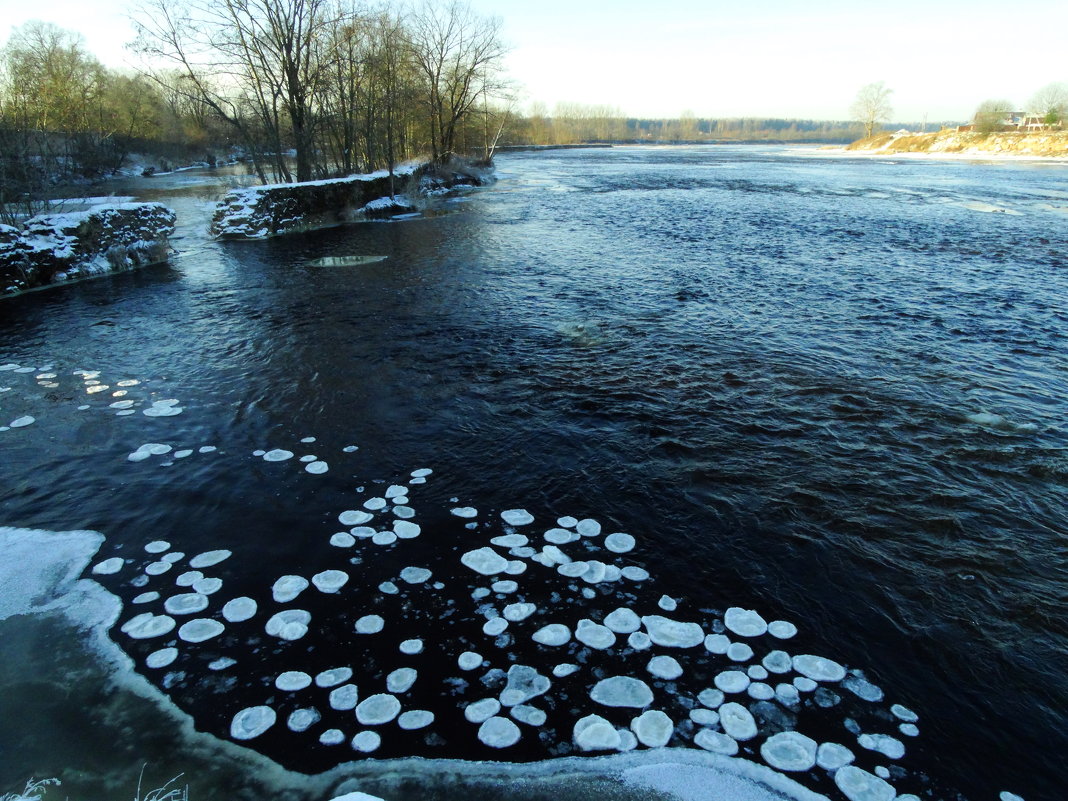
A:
(56, 248)
(262, 212)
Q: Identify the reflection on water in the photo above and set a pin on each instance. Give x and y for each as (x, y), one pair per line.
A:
(345, 261)
(832, 392)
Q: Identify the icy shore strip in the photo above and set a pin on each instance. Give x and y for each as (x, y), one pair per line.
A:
(949, 143)
(261, 212)
(55, 248)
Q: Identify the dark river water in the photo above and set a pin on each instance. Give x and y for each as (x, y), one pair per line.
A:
(831, 390)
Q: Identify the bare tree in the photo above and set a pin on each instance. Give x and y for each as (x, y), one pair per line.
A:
(458, 54)
(1051, 102)
(872, 106)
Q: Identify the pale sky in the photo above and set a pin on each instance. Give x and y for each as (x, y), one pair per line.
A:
(771, 58)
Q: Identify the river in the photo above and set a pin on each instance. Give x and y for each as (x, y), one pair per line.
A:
(831, 390)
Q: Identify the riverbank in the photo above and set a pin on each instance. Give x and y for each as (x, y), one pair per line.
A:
(1044, 145)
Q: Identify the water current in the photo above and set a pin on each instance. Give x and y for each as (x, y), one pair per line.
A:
(832, 390)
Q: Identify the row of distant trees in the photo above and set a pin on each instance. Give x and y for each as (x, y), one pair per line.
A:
(305, 88)
(1049, 104)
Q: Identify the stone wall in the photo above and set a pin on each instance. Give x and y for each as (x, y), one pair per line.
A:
(54, 248)
(261, 212)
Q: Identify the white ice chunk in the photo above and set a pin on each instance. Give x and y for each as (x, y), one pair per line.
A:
(737, 721)
(188, 578)
(519, 611)
(510, 541)
(146, 597)
(588, 527)
(883, 743)
(354, 517)
(732, 681)
(330, 581)
(109, 566)
(411, 647)
(504, 587)
(622, 691)
(239, 609)
(517, 517)
(292, 680)
(744, 622)
(374, 504)
(622, 621)
(209, 558)
(482, 710)
(415, 719)
(652, 728)
(560, 536)
(789, 751)
(530, 715)
(146, 626)
(332, 737)
(469, 660)
(200, 629)
(344, 697)
(594, 634)
(316, 468)
(252, 722)
(207, 586)
(777, 662)
(782, 629)
(406, 530)
(565, 669)
(289, 624)
(554, 634)
(158, 546)
(157, 568)
(499, 732)
(20, 422)
(634, 573)
(673, 633)
(904, 713)
(333, 677)
(909, 729)
(739, 652)
(303, 719)
(401, 680)
(485, 561)
(161, 658)
(594, 733)
(277, 455)
(342, 539)
(366, 741)
(384, 538)
(832, 756)
(415, 575)
(760, 691)
(711, 698)
(370, 624)
(818, 668)
(388, 588)
(466, 512)
(619, 543)
(286, 588)
(639, 641)
(716, 742)
(704, 717)
(524, 683)
(567, 522)
(395, 491)
(377, 709)
(186, 603)
(805, 684)
(859, 785)
(667, 603)
(664, 667)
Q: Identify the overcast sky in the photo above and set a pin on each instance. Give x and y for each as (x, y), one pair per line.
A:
(772, 58)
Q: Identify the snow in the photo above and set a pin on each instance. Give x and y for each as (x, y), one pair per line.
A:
(818, 668)
(485, 561)
(789, 751)
(377, 709)
(622, 691)
(859, 785)
(744, 622)
(252, 722)
(673, 633)
(499, 732)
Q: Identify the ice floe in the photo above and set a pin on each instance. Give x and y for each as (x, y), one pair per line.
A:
(744, 622)
(498, 732)
(859, 785)
(401, 680)
(200, 629)
(289, 624)
(789, 751)
(594, 733)
(287, 588)
(292, 680)
(653, 728)
(147, 625)
(209, 558)
(619, 543)
(482, 710)
(238, 610)
(664, 667)
(622, 691)
(716, 742)
(344, 697)
(485, 561)
(109, 566)
(517, 517)
(161, 658)
(377, 709)
(370, 624)
(673, 633)
(818, 668)
(554, 634)
(187, 603)
(303, 719)
(469, 660)
(252, 722)
(415, 719)
(330, 581)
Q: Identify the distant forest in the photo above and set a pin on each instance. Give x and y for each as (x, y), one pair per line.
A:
(299, 90)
